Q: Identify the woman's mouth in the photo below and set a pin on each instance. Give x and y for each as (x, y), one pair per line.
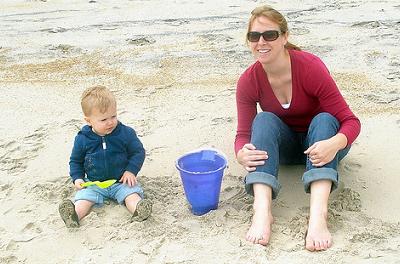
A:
(263, 51)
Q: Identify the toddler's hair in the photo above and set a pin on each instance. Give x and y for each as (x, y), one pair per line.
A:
(97, 97)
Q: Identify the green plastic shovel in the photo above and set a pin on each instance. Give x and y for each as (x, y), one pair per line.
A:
(103, 184)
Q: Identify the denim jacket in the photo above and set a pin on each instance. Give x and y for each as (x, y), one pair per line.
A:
(106, 157)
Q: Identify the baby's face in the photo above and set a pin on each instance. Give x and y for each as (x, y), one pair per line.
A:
(103, 123)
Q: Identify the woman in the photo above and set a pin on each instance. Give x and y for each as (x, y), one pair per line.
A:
(304, 120)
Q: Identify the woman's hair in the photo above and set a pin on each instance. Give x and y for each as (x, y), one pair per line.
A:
(98, 97)
(274, 16)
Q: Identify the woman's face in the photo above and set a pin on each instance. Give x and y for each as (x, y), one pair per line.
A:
(264, 51)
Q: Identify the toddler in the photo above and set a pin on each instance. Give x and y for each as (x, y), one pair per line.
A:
(104, 149)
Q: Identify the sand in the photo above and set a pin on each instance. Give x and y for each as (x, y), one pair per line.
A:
(173, 66)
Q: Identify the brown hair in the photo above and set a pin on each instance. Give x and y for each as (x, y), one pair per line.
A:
(97, 97)
(274, 16)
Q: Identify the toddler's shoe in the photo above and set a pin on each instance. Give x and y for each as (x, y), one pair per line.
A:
(143, 210)
(68, 214)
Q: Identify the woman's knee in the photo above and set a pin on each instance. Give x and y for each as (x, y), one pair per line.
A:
(323, 126)
(325, 119)
(266, 121)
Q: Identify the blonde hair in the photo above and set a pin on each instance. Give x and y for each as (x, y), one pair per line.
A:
(274, 16)
(97, 97)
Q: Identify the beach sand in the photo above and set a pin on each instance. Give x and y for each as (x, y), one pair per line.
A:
(173, 66)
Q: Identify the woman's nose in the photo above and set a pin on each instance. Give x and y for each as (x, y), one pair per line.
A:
(262, 40)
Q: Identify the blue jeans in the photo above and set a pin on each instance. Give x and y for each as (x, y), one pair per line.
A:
(285, 146)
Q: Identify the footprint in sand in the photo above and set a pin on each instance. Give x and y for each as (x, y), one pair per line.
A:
(140, 41)
(352, 166)
(5, 190)
(237, 199)
(66, 191)
(346, 200)
(216, 38)
(16, 154)
(11, 245)
(299, 31)
(74, 123)
(155, 151)
(28, 233)
(32, 228)
(2, 237)
(45, 192)
(9, 259)
(54, 30)
(374, 56)
(375, 234)
(143, 128)
(367, 24)
(297, 226)
(161, 189)
(369, 237)
(64, 49)
(221, 120)
(206, 98)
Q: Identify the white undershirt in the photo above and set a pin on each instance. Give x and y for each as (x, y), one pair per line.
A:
(286, 106)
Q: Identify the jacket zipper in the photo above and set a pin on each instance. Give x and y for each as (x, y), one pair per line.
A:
(104, 153)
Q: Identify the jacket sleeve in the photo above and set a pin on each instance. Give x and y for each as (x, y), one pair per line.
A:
(136, 152)
(76, 161)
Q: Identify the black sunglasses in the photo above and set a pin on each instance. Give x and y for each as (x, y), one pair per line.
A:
(269, 35)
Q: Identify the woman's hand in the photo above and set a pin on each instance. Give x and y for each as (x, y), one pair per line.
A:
(324, 151)
(128, 178)
(250, 157)
(78, 183)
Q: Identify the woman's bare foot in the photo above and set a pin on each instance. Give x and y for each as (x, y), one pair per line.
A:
(318, 236)
(260, 229)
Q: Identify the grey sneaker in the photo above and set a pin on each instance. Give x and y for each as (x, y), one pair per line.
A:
(68, 214)
(143, 211)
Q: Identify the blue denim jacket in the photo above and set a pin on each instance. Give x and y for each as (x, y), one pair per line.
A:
(106, 157)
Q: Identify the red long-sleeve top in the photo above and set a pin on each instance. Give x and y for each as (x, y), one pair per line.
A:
(313, 91)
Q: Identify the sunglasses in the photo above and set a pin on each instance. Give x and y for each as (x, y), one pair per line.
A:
(269, 35)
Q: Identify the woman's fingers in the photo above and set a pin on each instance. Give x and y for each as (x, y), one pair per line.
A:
(251, 165)
(249, 169)
(250, 157)
(249, 146)
(259, 154)
(253, 159)
(311, 148)
(317, 161)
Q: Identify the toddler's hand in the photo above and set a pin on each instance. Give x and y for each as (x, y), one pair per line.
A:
(128, 178)
(78, 183)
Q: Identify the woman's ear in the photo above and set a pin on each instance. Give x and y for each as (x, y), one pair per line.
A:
(286, 37)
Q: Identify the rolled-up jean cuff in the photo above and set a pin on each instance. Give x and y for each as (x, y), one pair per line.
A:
(320, 174)
(264, 178)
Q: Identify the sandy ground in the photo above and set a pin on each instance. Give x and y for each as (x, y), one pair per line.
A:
(173, 66)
